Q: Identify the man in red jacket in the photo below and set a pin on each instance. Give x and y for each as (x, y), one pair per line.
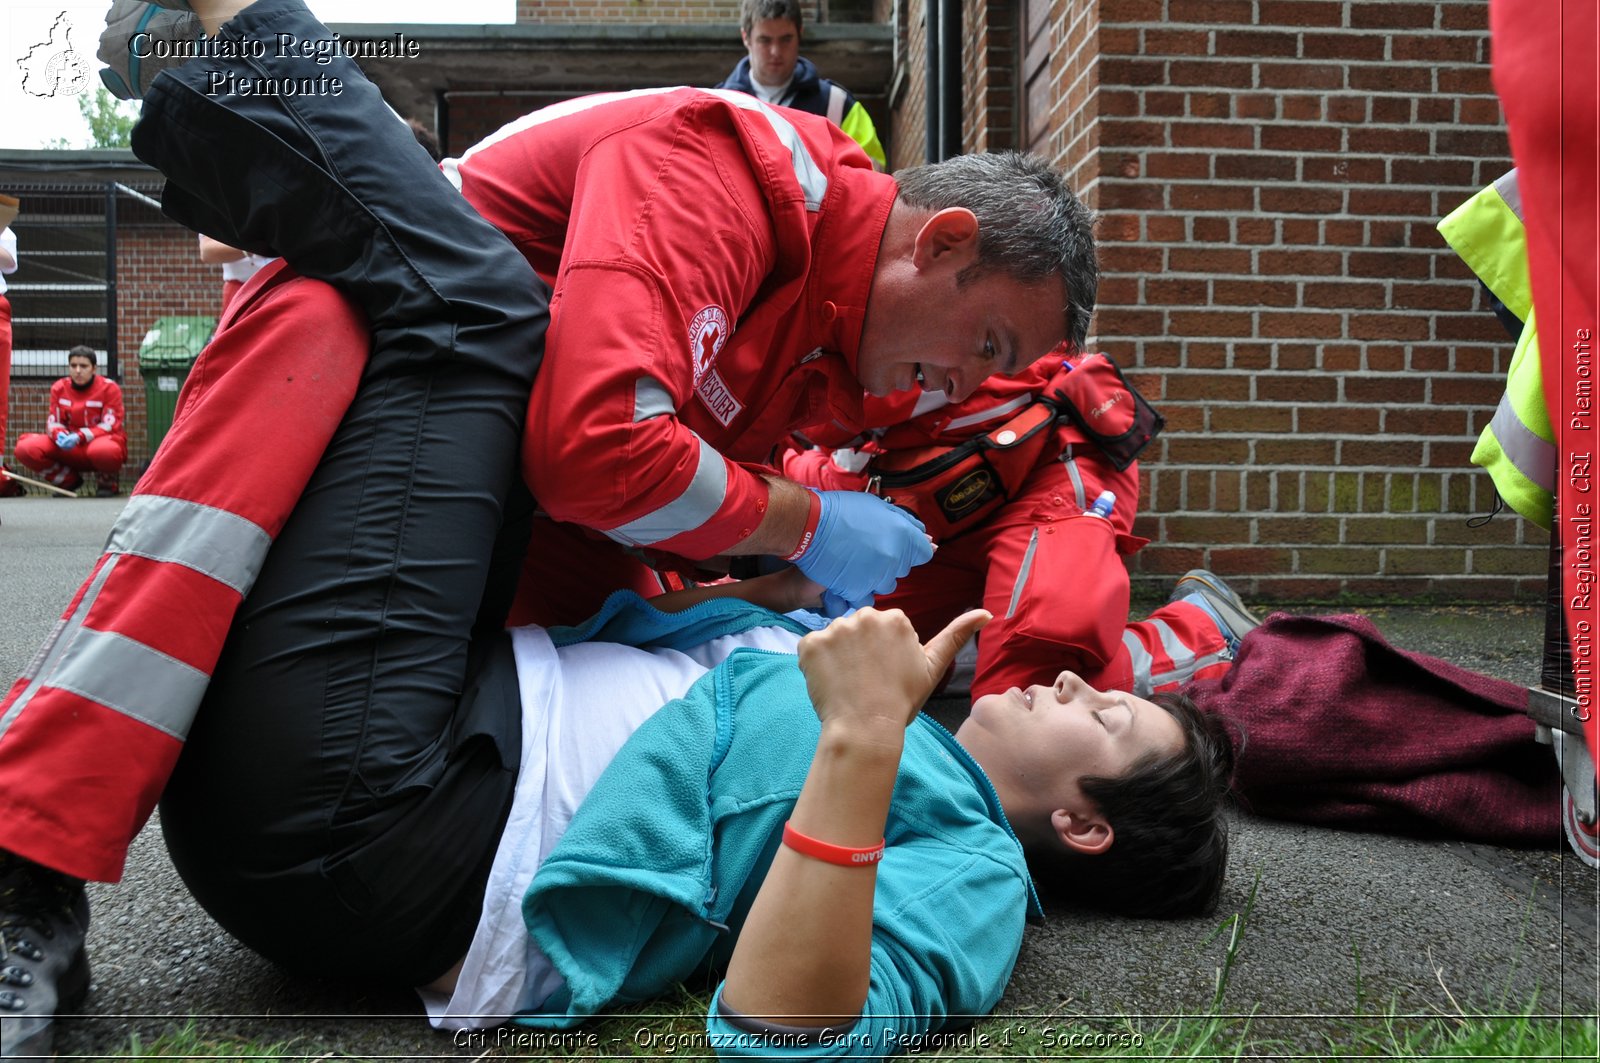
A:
(725, 273)
(84, 430)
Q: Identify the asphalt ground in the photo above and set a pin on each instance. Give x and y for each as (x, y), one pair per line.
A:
(1342, 923)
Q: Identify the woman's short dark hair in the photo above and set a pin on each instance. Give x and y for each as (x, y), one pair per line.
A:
(1169, 847)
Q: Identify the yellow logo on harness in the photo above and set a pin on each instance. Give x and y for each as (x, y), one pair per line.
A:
(969, 490)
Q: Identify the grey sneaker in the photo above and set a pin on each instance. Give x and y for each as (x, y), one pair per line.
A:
(44, 968)
(1225, 606)
(134, 44)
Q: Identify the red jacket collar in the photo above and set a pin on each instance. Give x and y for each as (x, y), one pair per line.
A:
(845, 257)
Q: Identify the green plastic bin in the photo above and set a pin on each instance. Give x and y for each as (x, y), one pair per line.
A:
(166, 355)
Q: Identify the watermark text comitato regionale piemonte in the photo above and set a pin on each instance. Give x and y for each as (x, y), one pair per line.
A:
(318, 51)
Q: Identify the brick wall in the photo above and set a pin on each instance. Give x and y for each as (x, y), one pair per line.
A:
(474, 117)
(159, 274)
(1074, 70)
(29, 403)
(1269, 173)
(988, 60)
(907, 139)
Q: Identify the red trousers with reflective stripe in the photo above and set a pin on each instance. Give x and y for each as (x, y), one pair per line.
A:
(78, 778)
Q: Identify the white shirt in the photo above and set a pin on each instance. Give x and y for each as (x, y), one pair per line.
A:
(769, 94)
(242, 269)
(579, 705)
(8, 241)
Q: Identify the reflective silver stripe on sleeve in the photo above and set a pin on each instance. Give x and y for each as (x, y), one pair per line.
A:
(211, 541)
(131, 678)
(1022, 573)
(1082, 496)
(813, 182)
(1141, 661)
(650, 399)
(56, 645)
(698, 504)
(992, 412)
(836, 96)
(1510, 191)
(1170, 643)
(1532, 456)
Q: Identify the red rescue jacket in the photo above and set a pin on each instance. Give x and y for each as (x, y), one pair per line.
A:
(93, 412)
(711, 259)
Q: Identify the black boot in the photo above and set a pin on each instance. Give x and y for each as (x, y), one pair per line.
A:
(44, 967)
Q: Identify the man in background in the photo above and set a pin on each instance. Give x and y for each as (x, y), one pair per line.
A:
(775, 72)
(84, 431)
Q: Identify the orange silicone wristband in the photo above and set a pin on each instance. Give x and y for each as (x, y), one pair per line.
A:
(829, 853)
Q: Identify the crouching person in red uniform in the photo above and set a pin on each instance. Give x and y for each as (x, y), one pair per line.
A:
(84, 431)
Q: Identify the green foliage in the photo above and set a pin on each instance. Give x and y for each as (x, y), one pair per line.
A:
(110, 122)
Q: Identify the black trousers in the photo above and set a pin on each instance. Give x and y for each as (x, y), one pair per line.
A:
(343, 789)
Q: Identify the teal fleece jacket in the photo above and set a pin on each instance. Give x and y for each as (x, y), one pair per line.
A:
(661, 863)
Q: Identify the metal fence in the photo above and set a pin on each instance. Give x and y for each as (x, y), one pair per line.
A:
(64, 291)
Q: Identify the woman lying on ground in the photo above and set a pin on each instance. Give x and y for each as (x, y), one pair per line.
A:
(850, 862)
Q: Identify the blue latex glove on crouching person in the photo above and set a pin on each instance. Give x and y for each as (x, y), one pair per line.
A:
(862, 546)
(67, 440)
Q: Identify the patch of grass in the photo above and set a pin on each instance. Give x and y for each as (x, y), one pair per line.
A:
(674, 1028)
(1523, 1036)
(678, 1035)
(189, 1043)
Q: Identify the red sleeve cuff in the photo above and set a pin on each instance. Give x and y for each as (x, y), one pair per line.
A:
(743, 507)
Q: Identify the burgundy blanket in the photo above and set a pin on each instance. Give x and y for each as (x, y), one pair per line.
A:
(1344, 730)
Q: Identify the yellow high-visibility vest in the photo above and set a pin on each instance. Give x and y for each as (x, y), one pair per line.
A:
(1518, 448)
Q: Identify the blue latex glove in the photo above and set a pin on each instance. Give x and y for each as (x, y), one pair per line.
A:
(67, 440)
(834, 606)
(862, 546)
